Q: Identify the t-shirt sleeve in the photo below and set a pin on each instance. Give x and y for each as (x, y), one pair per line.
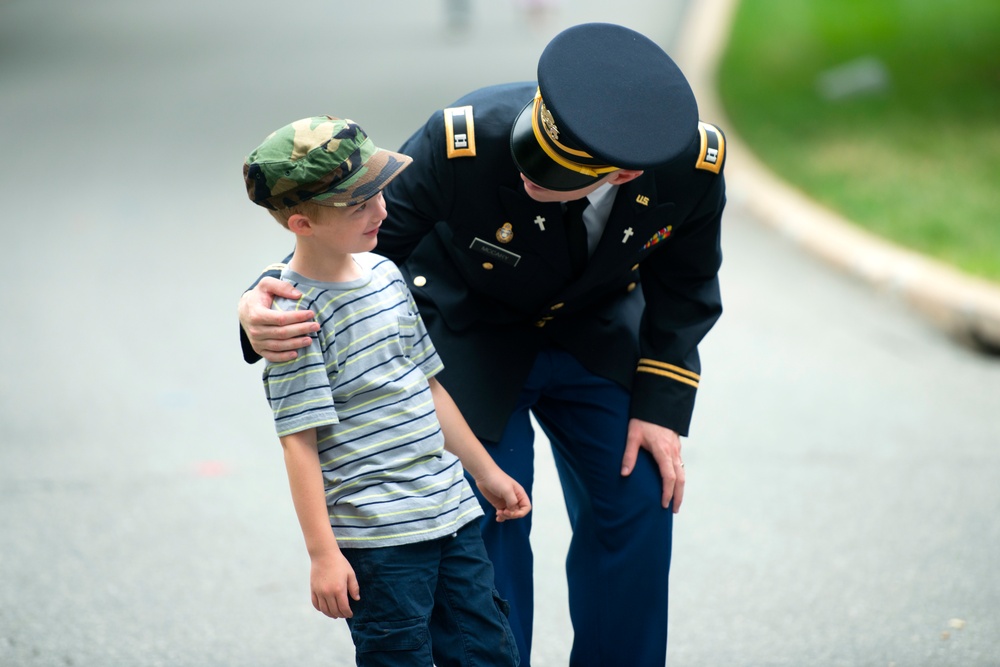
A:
(299, 390)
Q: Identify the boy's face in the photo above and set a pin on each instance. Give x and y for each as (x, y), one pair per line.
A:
(351, 229)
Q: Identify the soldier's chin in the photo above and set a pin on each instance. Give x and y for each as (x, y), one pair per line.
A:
(536, 191)
(540, 194)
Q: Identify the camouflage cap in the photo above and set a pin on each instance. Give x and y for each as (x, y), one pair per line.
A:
(330, 161)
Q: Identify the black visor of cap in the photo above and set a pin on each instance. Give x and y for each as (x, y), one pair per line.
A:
(533, 162)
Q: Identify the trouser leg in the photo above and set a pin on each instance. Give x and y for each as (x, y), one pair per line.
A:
(390, 627)
(469, 626)
(508, 544)
(619, 557)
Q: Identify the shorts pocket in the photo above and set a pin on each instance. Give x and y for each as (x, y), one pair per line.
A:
(504, 608)
(501, 604)
(377, 636)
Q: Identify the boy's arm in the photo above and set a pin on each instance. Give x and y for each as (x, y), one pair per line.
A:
(332, 578)
(502, 490)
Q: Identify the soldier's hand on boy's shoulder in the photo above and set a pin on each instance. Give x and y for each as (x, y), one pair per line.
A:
(275, 334)
(505, 494)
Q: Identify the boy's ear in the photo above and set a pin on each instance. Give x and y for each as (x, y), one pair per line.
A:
(299, 224)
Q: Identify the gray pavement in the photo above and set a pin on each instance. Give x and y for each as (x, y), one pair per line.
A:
(842, 467)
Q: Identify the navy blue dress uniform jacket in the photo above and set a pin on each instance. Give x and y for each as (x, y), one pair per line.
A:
(490, 270)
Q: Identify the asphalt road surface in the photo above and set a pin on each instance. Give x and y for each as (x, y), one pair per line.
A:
(842, 469)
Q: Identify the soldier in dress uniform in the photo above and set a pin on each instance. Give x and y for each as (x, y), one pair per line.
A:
(588, 320)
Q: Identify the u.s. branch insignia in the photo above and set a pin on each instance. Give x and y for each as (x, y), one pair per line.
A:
(506, 233)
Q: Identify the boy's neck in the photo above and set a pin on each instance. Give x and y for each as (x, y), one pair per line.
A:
(323, 266)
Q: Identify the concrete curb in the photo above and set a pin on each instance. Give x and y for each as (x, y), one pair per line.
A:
(965, 307)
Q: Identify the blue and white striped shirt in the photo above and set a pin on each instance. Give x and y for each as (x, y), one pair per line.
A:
(362, 384)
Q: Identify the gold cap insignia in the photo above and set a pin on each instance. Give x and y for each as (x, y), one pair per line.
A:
(549, 123)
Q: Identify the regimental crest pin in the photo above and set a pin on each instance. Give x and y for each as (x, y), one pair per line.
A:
(506, 233)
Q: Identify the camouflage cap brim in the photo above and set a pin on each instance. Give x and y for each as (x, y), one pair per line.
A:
(378, 169)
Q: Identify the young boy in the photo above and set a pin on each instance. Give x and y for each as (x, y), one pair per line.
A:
(374, 446)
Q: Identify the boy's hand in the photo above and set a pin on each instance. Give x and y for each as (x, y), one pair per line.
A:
(505, 494)
(332, 580)
(275, 334)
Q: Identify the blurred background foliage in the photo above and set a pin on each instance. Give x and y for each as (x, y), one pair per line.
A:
(887, 111)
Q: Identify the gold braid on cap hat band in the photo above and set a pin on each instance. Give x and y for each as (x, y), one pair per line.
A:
(548, 139)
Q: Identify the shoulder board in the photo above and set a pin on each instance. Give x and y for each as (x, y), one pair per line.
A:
(460, 131)
(713, 148)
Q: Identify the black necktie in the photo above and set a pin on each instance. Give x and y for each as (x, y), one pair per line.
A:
(576, 233)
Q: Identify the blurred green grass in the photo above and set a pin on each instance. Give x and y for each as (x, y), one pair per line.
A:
(914, 154)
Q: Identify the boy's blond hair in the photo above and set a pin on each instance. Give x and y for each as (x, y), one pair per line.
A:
(309, 209)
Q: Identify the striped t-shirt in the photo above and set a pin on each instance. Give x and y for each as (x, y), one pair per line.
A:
(362, 384)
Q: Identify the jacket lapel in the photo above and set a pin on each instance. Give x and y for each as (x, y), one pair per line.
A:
(636, 216)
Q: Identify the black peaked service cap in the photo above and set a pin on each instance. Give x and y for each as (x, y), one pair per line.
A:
(608, 98)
